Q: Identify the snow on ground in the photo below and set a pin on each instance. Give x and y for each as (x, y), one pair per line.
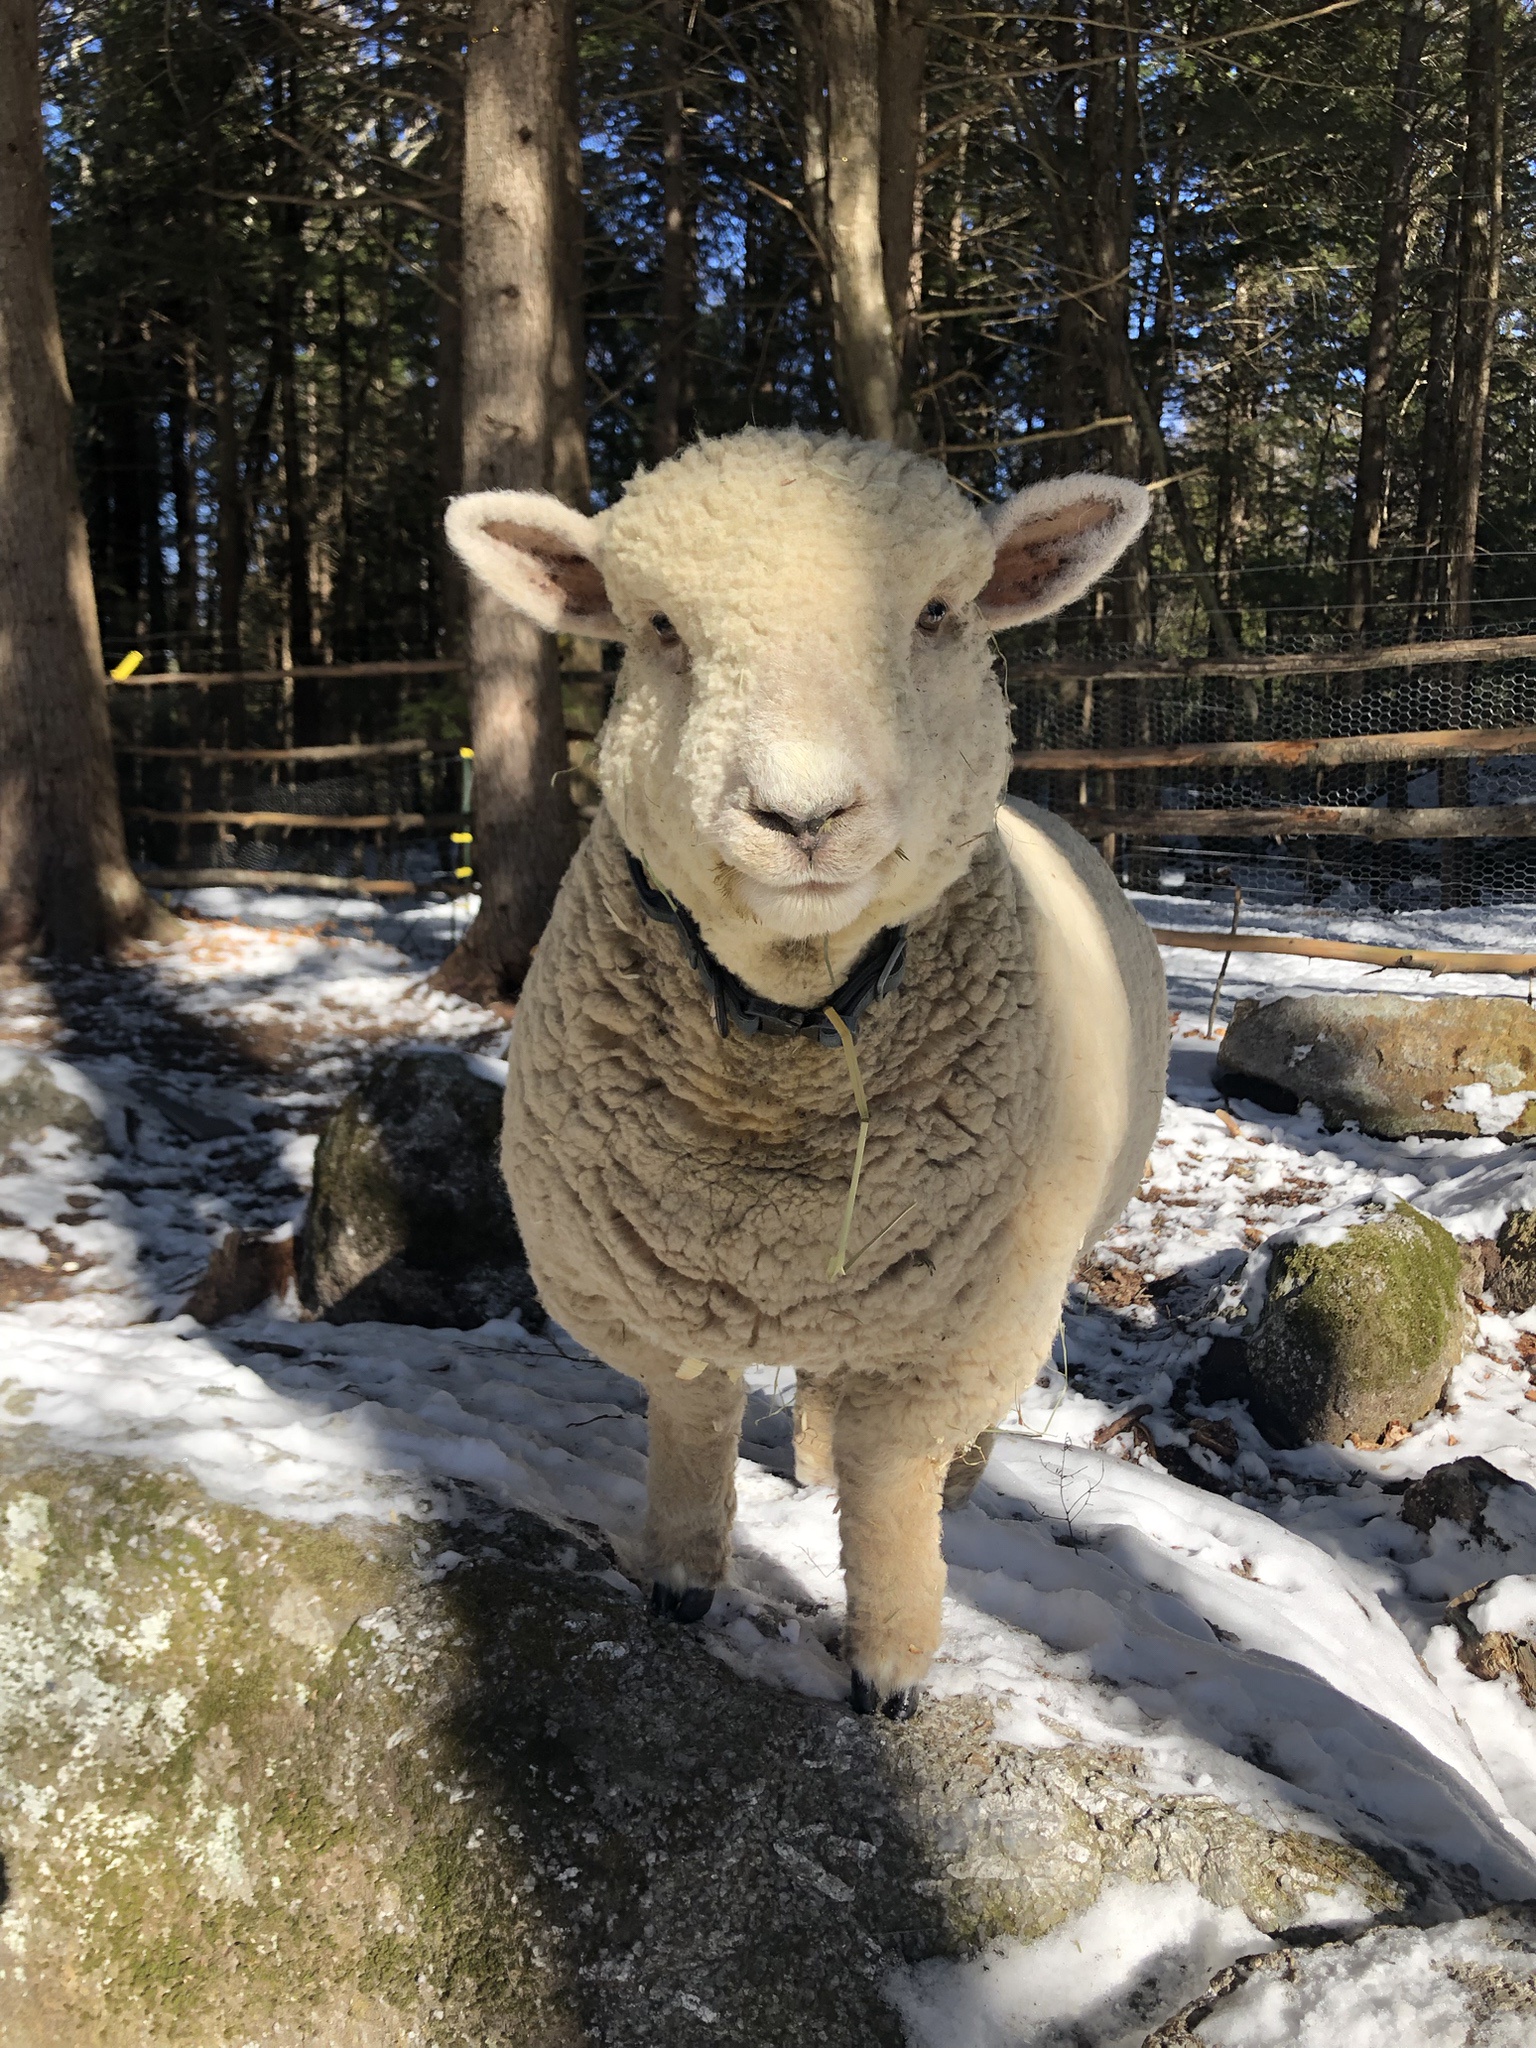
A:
(1259, 1625)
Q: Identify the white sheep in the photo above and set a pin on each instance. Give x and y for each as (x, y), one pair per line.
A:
(801, 776)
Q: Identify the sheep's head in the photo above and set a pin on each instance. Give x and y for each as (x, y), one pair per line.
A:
(807, 741)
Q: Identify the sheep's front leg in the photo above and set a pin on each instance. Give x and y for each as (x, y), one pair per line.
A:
(695, 1426)
(893, 1443)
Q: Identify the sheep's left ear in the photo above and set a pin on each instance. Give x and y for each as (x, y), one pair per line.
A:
(1054, 540)
(539, 555)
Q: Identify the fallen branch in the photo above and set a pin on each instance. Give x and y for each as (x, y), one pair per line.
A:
(1343, 949)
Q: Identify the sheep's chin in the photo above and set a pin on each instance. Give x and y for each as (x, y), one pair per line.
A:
(798, 911)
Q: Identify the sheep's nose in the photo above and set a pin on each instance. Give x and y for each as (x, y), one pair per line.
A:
(806, 831)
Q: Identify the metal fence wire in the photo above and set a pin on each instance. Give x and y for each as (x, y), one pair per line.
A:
(1054, 711)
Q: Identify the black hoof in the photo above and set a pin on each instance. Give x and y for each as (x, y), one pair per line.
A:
(691, 1604)
(865, 1699)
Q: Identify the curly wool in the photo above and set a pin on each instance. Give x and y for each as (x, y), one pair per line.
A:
(680, 1193)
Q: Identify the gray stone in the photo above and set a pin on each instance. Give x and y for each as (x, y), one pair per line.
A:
(1460, 1492)
(1512, 1281)
(1358, 1335)
(1394, 1065)
(409, 1221)
(32, 1101)
(333, 1787)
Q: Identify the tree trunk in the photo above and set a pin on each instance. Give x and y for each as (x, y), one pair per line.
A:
(1477, 297)
(516, 206)
(65, 884)
(903, 54)
(229, 546)
(874, 402)
(1386, 306)
(448, 423)
(675, 310)
(1476, 301)
(1426, 590)
(570, 472)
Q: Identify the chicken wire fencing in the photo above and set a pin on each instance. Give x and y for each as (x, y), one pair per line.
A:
(400, 815)
(399, 812)
(1126, 809)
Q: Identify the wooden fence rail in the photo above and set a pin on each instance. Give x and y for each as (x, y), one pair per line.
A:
(336, 672)
(312, 821)
(1305, 821)
(1353, 750)
(1356, 661)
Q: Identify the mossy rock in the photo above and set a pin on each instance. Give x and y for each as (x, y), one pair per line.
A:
(1358, 1334)
(448, 1785)
(1398, 1066)
(409, 1221)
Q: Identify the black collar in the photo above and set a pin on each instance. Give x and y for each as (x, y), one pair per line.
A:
(734, 1003)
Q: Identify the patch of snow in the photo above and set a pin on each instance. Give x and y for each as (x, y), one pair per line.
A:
(1493, 1113)
(1507, 1608)
(1108, 1975)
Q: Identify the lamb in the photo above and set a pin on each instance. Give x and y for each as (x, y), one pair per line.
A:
(803, 901)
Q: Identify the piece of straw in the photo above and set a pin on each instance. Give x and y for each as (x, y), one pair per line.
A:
(837, 1265)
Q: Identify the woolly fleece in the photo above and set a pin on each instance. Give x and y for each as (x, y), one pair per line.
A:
(806, 745)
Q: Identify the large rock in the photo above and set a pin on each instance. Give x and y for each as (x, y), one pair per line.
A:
(409, 1221)
(1360, 1329)
(37, 1095)
(1398, 1066)
(433, 1786)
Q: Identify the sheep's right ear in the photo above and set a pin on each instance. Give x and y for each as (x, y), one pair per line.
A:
(1055, 539)
(538, 554)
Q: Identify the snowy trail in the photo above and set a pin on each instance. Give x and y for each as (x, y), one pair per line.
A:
(1256, 1624)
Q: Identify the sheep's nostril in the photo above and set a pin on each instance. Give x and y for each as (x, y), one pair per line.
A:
(805, 831)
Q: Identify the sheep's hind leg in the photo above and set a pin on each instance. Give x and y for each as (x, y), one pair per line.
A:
(894, 1444)
(815, 1410)
(695, 1426)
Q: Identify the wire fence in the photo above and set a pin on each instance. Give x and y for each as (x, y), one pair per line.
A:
(212, 793)
(1194, 779)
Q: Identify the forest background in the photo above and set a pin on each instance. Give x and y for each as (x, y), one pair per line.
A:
(1274, 261)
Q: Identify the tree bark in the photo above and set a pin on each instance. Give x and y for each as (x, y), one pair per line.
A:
(869, 367)
(229, 544)
(903, 55)
(1477, 299)
(1386, 307)
(65, 884)
(1477, 308)
(675, 309)
(517, 96)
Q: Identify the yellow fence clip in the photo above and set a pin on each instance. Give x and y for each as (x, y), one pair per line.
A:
(462, 838)
(462, 874)
(466, 753)
(128, 666)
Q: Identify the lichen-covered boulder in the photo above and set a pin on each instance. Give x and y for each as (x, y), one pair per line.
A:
(1362, 1323)
(449, 1785)
(38, 1094)
(409, 1221)
(1398, 1066)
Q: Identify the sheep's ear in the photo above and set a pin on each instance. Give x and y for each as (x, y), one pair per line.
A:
(1054, 540)
(539, 555)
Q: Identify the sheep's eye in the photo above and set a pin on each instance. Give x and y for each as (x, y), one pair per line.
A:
(932, 615)
(665, 631)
